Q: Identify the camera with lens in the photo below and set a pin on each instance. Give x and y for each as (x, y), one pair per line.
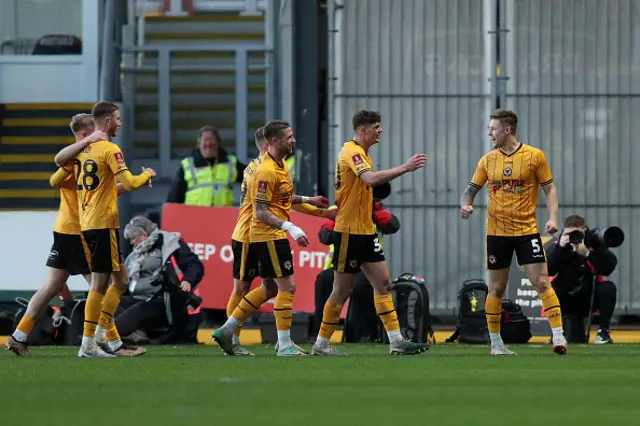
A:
(611, 236)
(167, 278)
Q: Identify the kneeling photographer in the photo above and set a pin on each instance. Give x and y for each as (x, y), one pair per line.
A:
(580, 255)
(163, 274)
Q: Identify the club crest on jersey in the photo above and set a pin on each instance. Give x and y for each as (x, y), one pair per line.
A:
(507, 171)
(262, 186)
(357, 159)
(119, 158)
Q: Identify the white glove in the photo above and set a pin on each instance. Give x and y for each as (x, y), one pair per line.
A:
(295, 232)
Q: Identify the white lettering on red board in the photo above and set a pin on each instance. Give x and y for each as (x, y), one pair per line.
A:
(304, 258)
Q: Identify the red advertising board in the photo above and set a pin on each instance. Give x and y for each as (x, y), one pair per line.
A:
(208, 232)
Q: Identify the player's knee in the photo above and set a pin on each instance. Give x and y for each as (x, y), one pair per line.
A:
(382, 286)
(270, 291)
(241, 288)
(286, 284)
(496, 291)
(542, 284)
(340, 294)
(53, 286)
(240, 292)
(121, 285)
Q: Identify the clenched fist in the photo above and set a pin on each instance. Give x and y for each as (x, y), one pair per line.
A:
(466, 211)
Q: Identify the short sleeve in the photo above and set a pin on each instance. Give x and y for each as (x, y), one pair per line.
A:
(543, 173)
(115, 159)
(356, 160)
(264, 181)
(480, 175)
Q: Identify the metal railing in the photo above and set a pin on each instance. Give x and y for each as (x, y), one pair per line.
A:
(164, 68)
(245, 7)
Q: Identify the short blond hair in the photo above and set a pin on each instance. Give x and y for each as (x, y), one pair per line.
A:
(259, 138)
(82, 122)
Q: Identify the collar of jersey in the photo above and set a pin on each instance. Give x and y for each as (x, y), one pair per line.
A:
(509, 155)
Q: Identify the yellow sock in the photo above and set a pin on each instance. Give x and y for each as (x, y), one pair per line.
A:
(112, 333)
(109, 305)
(26, 325)
(232, 304)
(250, 303)
(551, 306)
(493, 311)
(92, 309)
(330, 319)
(283, 310)
(387, 312)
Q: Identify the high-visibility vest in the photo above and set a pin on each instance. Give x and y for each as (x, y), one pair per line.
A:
(211, 185)
(291, 162)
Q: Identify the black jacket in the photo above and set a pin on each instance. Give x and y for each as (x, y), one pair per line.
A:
(572, 272)
(179, 185)
(188, 262)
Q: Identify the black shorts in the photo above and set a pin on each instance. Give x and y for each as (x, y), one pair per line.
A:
(528, 249)
(67, 253)
(102, 248)
(350, 251)
(245, 266)
(274, 258)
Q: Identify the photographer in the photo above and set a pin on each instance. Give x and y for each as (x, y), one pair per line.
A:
(163, 272)
(572, 261)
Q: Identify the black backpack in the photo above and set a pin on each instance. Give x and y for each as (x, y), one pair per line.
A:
(515, 326)
(57, 326)
(44, 331)
(411, 300)
(472, 321)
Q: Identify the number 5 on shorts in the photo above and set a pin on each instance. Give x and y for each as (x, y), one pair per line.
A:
(536, 246)
(377, 247)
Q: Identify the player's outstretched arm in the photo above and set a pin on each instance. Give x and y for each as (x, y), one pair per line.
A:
(131, 182)
(317, 201)
(312, 210)
(264, 215)
(60, 176)
(373, 179)
(68, 153)
(115, 160)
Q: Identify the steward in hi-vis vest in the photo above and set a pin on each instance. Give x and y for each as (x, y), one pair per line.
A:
(208, 175)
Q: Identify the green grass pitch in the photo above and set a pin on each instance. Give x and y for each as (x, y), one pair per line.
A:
(448, 385)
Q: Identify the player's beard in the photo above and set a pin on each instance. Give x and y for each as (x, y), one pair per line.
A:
(287, 149)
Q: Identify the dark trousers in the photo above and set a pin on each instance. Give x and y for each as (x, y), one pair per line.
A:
(151, 317)
(135, 314)
(605, 301)
(575, 309)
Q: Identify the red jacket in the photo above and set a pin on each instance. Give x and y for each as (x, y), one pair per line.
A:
(381, 218)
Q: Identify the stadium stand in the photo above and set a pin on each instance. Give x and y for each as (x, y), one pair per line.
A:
(30, 135)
